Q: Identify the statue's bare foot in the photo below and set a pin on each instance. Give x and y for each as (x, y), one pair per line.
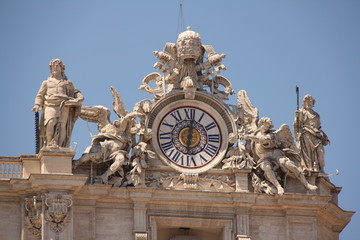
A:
(311, 188)
(280, 190)
(53, 144)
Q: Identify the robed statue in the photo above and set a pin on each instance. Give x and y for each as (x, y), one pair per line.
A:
(60, 103)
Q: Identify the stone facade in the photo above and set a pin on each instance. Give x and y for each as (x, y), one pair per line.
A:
(101, 211)
(184, 165)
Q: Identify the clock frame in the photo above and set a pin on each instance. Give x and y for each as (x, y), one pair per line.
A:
(190, 135)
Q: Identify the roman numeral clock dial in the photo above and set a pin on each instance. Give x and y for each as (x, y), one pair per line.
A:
(190, 138)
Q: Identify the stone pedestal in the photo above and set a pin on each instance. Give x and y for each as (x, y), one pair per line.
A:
(242, 180)
(56, 161)
(31, 164)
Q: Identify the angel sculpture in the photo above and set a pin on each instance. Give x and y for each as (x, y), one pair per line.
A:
(114, 140)
(246, 117)
(140, 155)
(270, 153)
(273, 150)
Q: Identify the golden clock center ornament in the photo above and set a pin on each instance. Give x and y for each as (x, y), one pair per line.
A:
(189, 137)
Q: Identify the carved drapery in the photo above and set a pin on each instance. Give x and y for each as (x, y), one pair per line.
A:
(141, 236)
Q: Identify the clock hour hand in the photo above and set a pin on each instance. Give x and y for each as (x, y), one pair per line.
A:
(189, 136)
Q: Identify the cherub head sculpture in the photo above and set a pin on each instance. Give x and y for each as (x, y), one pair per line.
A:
(265, 123)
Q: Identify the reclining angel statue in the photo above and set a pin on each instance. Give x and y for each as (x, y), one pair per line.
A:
(114, 140)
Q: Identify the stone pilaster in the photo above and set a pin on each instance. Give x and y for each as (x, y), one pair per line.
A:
(242, 221)
(140, 217)
(140, 199)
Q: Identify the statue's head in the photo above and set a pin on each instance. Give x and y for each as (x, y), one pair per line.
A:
(265, 123)
(57, 67)
(308, 101)
(189, 45)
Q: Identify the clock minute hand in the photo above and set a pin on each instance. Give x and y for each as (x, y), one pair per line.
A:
(189, 136)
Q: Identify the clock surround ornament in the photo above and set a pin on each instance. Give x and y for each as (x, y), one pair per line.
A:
(187, 136)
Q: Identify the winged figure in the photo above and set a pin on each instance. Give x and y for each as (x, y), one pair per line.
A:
(246, 114)
(274, 151)
(114, 139)
(246, 117)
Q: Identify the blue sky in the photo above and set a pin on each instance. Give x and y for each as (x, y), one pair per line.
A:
(271, 47)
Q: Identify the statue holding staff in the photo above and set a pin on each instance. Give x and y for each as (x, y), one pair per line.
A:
(309, 136)
(60, 103)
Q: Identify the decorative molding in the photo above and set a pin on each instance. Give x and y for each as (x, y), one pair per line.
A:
(242, 237)
(208, 182)
(141, 236)
(190, 180)
(33, 213)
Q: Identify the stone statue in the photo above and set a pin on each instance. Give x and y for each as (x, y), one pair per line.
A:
(272, 151)
(139, 157)
(114, 140)
(310, 138)
(246, 117)
(60, 103)
(184, 66)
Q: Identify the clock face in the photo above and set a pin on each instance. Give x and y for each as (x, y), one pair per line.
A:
(189, 138)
